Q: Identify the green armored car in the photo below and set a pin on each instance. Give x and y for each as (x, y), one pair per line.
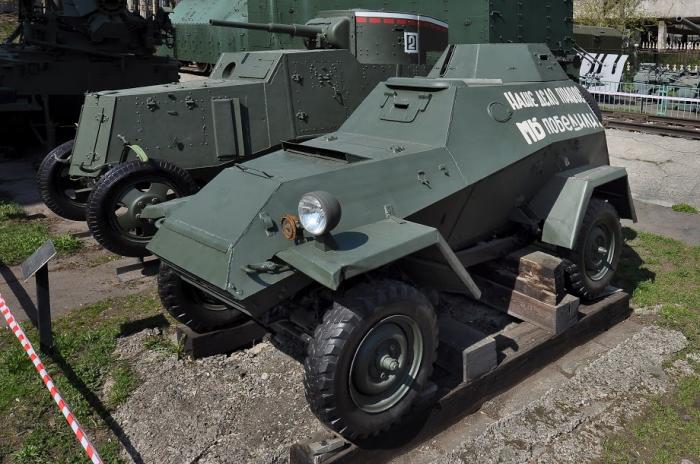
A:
(336, 238)
(143, 146)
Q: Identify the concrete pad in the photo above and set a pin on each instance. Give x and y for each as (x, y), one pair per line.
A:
(664, 221)
(619, 333)
(71, 287)
(570, 421)
(18, 180)
(662, 170)
(512, 401)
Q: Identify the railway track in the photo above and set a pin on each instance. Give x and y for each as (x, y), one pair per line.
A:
(671, 127)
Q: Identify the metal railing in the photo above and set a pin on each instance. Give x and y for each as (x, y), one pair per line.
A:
(666, 100)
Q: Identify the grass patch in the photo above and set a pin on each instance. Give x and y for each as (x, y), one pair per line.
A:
(663, 273)
(8, 23)
(19, 237)
(667, 433)
(163, 344)
(124, 380)
(686, 209)
(10, 210)
(32, 430)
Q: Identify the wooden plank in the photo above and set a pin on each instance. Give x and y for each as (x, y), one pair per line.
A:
(224, 341)
(554, 319)
(537, 290)
(465, 347)
(534, 273)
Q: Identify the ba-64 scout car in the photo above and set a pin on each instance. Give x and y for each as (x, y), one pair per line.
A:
(335, 239)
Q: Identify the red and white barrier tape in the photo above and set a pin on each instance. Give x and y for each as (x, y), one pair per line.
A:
(39, 366)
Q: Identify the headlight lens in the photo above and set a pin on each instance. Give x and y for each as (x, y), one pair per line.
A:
(319, 212)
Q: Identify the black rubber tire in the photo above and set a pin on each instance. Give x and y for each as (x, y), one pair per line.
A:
(192, 307)
(590, 99)
(331, 352)
(100, 213)
(577, 280)
(54, 167)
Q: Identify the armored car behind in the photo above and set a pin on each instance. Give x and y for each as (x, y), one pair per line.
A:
(143, 146)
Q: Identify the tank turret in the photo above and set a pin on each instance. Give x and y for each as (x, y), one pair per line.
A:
(404, 38)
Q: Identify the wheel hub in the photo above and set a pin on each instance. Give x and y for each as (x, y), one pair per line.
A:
(599, 251)
(131, 202)
(385, 364)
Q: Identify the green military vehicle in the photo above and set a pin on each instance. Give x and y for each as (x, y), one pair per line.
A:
(199, 45)
(253, 101)
(594, 39)
(62, 49)
(339, 239)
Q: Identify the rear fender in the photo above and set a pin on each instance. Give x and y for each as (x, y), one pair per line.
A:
(563, 201)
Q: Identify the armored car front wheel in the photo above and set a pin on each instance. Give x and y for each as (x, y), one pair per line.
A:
(595, 257)
(115, 205)
(371, 357)
(191, 306)
(64, 196)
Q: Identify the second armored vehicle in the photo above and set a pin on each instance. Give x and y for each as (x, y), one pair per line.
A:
(143, 146)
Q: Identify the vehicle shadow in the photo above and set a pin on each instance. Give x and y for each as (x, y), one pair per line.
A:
(27, 304)
(25, 300)
(631, 273)
(95, 404)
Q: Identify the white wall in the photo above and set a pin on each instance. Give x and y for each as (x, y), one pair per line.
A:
(672, 8)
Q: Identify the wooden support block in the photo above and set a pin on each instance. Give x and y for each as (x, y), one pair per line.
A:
(465, 349)
(552, 318)
(224, 341)
(534, 273)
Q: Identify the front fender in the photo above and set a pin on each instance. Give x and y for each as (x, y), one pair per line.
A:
(359, 251)
(563, 201)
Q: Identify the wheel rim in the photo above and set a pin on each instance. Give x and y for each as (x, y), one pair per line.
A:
(130, 200)
(599, 251)
(70, 190)
(202, 299)
(386, 363)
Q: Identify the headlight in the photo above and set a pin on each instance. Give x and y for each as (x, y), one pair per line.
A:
(319, 212)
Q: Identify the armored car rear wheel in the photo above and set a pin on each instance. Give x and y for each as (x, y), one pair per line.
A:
(191, 306)
(61, 194)
(371, 357)
(595, 257)
(115, 205)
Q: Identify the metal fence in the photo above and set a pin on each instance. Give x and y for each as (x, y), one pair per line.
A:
(667, 100)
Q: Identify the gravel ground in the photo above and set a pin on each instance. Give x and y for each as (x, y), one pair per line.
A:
(568, 423)
(249, 407)
(245, 408)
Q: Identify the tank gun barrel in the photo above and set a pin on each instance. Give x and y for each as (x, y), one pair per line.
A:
(291, 29)
(688, 23)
